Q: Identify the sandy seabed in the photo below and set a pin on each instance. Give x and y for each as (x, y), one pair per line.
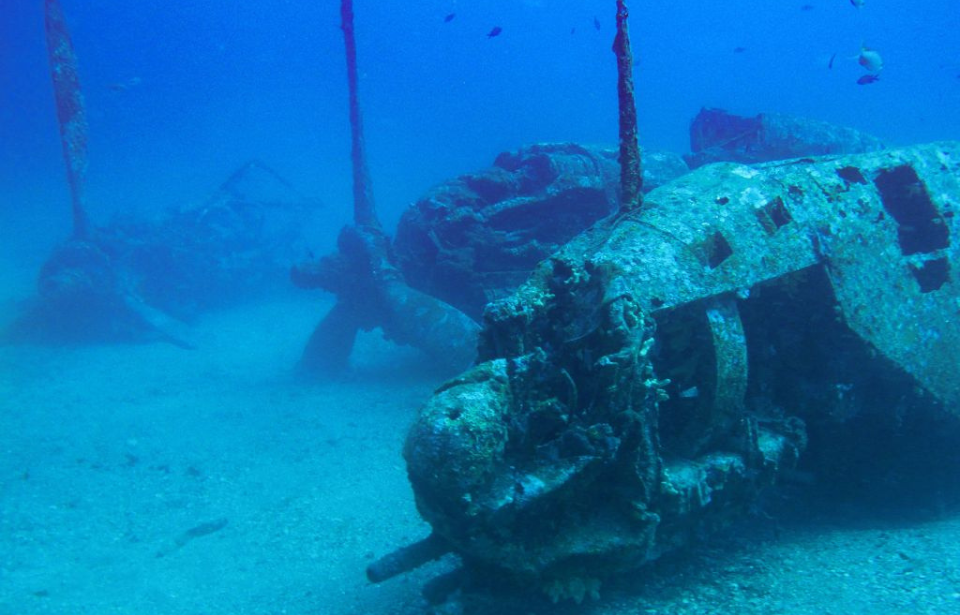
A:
(148, 479)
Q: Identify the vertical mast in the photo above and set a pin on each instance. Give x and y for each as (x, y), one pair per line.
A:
(70, 111)
(364, 211)
(631, 173)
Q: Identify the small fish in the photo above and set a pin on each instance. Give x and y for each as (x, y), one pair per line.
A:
(596, 23)
(449, 18)
(870, 59)
(573, 30)
(858, 3)
(868, 79)
(690, 393)
(806, 7)
(739, 49)
(832, 58)
(123, 86)
(495, 32)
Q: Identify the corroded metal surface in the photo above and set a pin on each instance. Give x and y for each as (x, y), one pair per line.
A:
(631, 175)
(719, 136)
(664, 367)
(70, 109)
(477, 237)
(135, 278)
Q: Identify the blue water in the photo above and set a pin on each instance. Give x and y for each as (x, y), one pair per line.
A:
(223, 81)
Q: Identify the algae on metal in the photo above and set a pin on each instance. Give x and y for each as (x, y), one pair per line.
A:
(371, 291)
(71, 115)
(631, 174)
(476, 238)
(666, 366)
(719, 136)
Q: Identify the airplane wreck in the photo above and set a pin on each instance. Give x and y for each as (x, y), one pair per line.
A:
(664, 367)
